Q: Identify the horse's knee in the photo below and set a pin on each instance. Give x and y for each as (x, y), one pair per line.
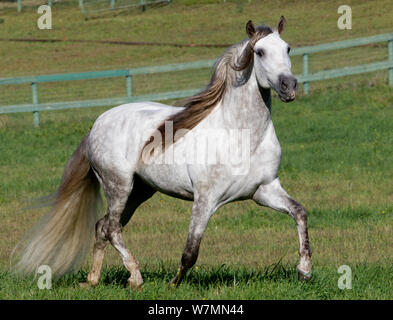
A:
(101, 229)
(114, 233)
(107, 229)
(298, 212)
(301, 214)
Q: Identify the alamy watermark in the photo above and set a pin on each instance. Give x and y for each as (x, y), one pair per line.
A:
(44, 21)
(345, 20)
(345, 281)
(45, 279)
(226, 147)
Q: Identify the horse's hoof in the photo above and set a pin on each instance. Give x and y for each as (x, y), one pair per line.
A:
(304, 276)
(174, 283)
(171, 286)
(135, 285)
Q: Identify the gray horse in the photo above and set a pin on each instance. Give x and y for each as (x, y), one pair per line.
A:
(136, 149)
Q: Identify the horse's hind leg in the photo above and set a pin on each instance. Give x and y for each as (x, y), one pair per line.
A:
(275, 197)
(98, 253)
(110, 228)
(140, 193)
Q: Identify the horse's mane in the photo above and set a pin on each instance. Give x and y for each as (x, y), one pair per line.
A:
(199, 106)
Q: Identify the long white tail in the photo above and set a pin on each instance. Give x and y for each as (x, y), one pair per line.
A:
(62, 239)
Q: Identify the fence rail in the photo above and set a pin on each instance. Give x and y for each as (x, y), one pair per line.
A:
(110, 4)
(97, 6)
(19, 4)
(306, 77)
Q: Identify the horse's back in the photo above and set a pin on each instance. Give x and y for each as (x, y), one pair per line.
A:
(128, 114)
(119, 134)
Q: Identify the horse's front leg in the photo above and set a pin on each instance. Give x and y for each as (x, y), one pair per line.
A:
(201, 213)
(274, 196)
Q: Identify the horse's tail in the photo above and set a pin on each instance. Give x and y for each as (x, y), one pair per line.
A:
(62, 239)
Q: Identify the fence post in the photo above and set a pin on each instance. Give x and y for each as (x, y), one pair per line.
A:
(129, 85)
(82, 5)
(305, 72)
(113, 3)
(143, 5)
(390, 53)
(19, 5)
(50, 3)
(35, 101)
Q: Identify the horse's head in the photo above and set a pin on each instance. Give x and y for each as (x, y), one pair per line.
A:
(270, 55)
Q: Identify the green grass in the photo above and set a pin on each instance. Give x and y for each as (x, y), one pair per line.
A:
(337, 145)
(336, 148)
(309, 22)
(221, 282)
(181, 22)
(200, 22)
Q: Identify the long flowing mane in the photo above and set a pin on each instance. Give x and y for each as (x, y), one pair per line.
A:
(199, 106)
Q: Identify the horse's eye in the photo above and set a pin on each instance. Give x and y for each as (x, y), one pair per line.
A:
(289, 50)
(259, 52)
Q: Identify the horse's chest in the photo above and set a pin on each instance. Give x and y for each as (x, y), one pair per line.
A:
(260, 167)
(265, 161)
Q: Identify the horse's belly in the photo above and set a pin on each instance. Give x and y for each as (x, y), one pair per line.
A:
(170, 179)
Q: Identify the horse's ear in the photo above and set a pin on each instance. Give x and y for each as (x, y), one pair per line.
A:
(250, 29)
(281, 25)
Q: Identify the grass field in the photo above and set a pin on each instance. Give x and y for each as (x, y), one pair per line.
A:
(337, 145)
(335, 161)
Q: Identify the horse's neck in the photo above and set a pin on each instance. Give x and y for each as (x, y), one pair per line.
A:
(247, 107)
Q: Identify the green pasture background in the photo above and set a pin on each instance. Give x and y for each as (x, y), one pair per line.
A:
(336, 142)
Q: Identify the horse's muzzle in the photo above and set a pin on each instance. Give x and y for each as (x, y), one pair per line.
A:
(287, 87)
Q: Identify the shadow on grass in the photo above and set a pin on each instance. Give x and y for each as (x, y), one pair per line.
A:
(200, 276)
(206, 277)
